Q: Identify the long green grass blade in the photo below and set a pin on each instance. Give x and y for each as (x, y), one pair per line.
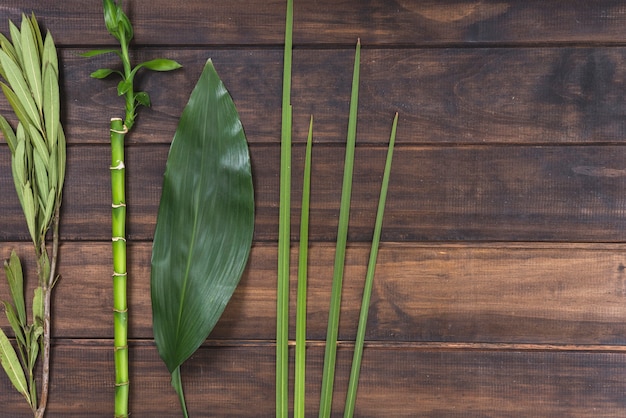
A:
(330, 353)
(303, 256)
(205, 221)
(284, 230)
(369, 280)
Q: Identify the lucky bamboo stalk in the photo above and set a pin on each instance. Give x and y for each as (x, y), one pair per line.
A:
(29, 64)
(118, 25)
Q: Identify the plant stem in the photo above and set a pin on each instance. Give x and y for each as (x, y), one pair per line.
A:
(369, 280)
(120, 308)
(47, 287)
(284, 234)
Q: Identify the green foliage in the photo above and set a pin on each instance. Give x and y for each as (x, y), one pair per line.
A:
(29, 66)
(205, 223)
(118, 25)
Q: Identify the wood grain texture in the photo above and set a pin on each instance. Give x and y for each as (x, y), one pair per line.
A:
(238, 381)
(497, 294)
(329, 22)
(501, 278)
(469, 193)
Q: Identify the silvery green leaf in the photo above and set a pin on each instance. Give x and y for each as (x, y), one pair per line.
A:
(35, 335)
(16, 37)
(30, 212)
(7, 47)
(61, 157)
(49, 55)
(38, 305)
(12, 366)
(8, 133)
(20, 87)
(16, 105)
(14, 321)
(39, 144)
(36, 33)
(51, 105)
(15, 278)
(49, 208)
(31, 62)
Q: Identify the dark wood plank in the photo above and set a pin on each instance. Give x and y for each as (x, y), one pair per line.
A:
(239, 382)
(436, 194)
(532, 294)
(397, 22)
(443, 96)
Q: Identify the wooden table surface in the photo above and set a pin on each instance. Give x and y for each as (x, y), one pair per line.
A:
(501, 282)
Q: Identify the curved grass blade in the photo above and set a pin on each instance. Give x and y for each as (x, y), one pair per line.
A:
(369, 280)
(205, 222)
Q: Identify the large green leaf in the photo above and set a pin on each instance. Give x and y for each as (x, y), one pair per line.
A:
(205, 221)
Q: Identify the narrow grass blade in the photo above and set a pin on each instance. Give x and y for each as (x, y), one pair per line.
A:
(369, 280)
(300, 368)
(284, 230)
(330, 353)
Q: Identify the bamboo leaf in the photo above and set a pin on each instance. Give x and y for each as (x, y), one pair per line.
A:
(20, 87)
(12, 366)
(96, 52)
(143, 98)
(205, 221)
(15, 278)
(159, 64)
(31, 61)
(49, 55)
(103, 73)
